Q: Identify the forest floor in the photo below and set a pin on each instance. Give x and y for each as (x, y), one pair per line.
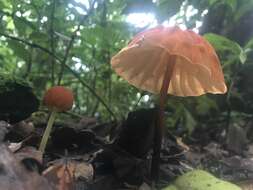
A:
(85, 154)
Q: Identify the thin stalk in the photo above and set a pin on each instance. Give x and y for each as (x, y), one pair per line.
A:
(52, 42)
(72, 40)
(47, 131)
(74, 73)
(159, 128)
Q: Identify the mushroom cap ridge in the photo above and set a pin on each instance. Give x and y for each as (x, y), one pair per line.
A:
(197, 69)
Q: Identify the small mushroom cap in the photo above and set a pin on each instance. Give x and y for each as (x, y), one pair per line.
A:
(197, 68)
(58, 98)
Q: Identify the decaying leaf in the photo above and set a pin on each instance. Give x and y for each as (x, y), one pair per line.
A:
(65, 175)
(15, 146)
(14, 176)
(29, 152)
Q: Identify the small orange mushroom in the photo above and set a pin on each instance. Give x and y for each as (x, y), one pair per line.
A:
(168, 60)
(57, 99)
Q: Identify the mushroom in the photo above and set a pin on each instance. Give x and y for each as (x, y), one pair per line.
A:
(57, 99)
(168, 60)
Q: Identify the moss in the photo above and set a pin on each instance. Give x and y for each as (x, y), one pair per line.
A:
(200, 180)
(17, 100)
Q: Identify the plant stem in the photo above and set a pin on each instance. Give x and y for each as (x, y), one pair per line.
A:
(74, 73)
(47, 131)
(72, 39)
(159, 124)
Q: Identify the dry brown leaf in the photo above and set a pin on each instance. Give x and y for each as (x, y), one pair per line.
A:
(63, 175)
(15, 146)
(29, 152)
(246, 185)
(182, 144)
(14, 176)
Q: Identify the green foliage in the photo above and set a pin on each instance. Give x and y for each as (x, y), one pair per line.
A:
(225, 46)
(19, 49)
(40, 39)
(221, 43)
(167, 8)
(201, 180)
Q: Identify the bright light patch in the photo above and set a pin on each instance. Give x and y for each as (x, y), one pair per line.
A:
(177, 19)
(173, 21)
(204, 12)
(190, 11)
(18, 14)
(70, 17)
(196, 30)
(27, 13)
(95, 5)
(146, 98)
(84, 2)
(44, 19)
(80, 11)
(78, 65)
(141, 20)
(198, 24)
(20, 64)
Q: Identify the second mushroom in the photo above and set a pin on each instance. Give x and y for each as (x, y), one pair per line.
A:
(168, 60)
(57, 99)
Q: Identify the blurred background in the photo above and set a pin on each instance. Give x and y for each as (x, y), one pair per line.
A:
(71, 42)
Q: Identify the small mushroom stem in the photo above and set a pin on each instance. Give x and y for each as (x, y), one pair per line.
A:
(46, 134)
(159, 124)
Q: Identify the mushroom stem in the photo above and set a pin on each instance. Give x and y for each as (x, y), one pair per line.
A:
(159, 128)
(46, 134)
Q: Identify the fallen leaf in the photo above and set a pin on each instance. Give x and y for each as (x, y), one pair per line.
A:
(15, 146)
(14, 176)
(63, 175)
(29, 152)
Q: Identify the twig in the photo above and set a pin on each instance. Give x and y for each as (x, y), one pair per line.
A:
(31, 44)
(52, 44)
(65, 65)
(91, 90)
(22, 19)
(71, 42)
(29, 64)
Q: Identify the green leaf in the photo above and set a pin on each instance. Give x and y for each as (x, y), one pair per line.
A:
(4, 4)
(244, 8)
(222, 43)
(243, 56)
(19, 49)
(23, 26)
(249, 44)
(39, 37)
(138, 6)
(232, 4)
(167, 8)
(205, 104)
(200, 180)
(190, 122)
(211, 2)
